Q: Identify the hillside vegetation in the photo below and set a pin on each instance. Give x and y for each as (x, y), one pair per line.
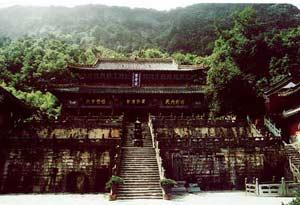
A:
(190, 29)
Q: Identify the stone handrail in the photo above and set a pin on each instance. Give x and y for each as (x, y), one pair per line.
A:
(253, 126)
(170, 121)
(296, 146)
(283, 188)
(216, 142)
(157, 150)
(117, 161)
(295, 171)
(62, 143)
(272, 128)
(74, 123)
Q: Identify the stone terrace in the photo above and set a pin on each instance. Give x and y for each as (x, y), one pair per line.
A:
(74, 155)
(215, 154)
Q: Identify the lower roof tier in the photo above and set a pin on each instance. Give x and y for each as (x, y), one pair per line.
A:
(131, 90)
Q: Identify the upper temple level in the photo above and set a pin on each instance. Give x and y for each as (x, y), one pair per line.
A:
(133, 86)
(139, 73)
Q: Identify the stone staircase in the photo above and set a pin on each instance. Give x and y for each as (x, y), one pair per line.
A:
(293, 155)
(139, 168)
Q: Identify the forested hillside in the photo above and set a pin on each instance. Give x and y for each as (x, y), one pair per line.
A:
(191, 29)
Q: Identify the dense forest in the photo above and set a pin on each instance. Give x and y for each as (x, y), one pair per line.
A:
(245, 47)
(190, 29)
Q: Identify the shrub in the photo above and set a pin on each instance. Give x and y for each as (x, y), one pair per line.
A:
(114, 180)
(167, 182)
(295, 201)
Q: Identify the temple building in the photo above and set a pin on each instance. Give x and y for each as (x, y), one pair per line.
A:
(282, 102)
(134, 87)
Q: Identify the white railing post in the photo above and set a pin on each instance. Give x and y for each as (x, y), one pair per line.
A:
(246, 190)
(256, 187)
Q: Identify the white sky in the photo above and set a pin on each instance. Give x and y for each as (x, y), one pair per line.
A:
(155, 4)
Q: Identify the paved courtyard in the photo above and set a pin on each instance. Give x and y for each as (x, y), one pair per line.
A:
(205, 198)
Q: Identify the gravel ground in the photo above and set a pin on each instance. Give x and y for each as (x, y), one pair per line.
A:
(205, 198)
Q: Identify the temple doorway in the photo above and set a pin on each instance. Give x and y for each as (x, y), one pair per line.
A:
(102, 176)
(77, 182)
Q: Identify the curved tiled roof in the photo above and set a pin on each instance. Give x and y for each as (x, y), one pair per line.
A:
(135, 64)
(9, 101)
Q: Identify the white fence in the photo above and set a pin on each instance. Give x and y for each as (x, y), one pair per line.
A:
(271, 189)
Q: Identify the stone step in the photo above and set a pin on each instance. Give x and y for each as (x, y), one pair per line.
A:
(144, 141)
(130, 145)
(153, 182)
(138, 158)
(139, 197)
(132, 159)
(145, 179)
(136, 187)
(138, 162)
(143, 156)
(147, 176)
(130, 167)
(138, 149)
(138, 172)
(145, 144)
(139, 189)
(143, 186)
(142, 153)
(139, 169)
(140, 194)
(136, 175)
(136, 166)
(142, 180)
(132, 155)
(141, 183)
(147, 155)
(142, 165)
(139, 153)
(137, 192)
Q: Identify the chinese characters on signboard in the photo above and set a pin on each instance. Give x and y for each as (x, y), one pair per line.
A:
(174, 102)
(99, 101)
(137, 101)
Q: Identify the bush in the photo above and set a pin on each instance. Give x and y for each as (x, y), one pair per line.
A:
(295, 201)
(167, 182)
(114, 180)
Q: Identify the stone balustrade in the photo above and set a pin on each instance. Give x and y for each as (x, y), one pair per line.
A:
(283, 188)
(216, 143)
